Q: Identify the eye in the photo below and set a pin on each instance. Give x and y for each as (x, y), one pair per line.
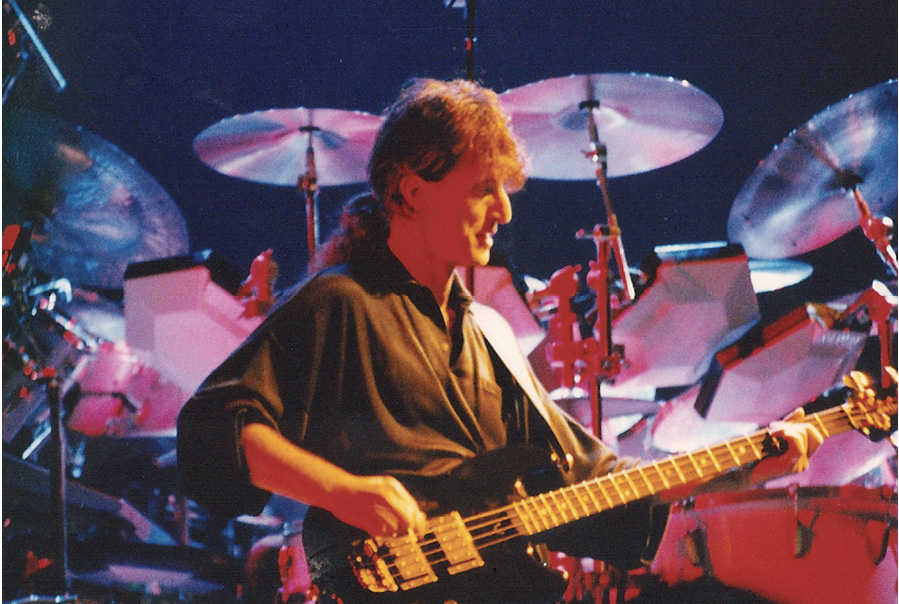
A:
(490, 187)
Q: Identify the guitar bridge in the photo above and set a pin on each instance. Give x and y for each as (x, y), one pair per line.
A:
(393, 563)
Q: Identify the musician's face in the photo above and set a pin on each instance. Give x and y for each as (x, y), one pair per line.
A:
(461, 212)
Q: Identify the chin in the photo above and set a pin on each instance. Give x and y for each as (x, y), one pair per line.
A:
(481, 259)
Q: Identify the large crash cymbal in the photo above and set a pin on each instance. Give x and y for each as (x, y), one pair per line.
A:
(645, 121)
(94, 210)
(801, 198)
(270, 146)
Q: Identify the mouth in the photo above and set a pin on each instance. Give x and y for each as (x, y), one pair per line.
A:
(485, 239)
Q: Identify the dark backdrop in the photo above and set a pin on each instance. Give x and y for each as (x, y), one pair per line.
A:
(149, 76)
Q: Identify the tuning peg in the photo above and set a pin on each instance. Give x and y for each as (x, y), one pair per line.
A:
(857, 381)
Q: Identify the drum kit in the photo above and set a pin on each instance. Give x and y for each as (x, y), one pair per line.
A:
(691, 326)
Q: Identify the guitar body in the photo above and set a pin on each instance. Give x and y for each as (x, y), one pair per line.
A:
(513, 572)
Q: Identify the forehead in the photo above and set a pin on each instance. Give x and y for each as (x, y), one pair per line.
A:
(494, 168)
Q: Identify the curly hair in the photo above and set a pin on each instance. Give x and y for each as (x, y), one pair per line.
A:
(363, 230)
(428, 129)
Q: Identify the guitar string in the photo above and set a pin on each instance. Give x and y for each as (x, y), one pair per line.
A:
(512, 523)
(840, 417)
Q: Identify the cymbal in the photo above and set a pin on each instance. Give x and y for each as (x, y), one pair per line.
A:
(95, 210)
(645, 121)
(800, 197)
(270, 146)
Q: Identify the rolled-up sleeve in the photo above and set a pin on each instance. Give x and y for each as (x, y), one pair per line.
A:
(269, 379)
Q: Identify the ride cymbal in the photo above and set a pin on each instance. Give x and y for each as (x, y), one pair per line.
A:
(645, 121)
(801, 198)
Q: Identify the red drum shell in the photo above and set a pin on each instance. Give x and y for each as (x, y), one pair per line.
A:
(812, 545)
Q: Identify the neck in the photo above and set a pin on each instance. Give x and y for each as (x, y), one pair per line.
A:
(435, 275)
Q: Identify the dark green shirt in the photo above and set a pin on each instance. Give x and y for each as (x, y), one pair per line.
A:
(357, 366)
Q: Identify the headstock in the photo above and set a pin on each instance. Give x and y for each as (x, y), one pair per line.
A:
(869, 411)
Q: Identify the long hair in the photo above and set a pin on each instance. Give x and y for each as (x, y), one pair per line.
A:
(426, 131)
(362, 231)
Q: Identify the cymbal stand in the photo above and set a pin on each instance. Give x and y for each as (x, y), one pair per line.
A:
(55, 76)
(58, 484)
(604, 359)
(880, 304)
(471, 8)
(878, 231)
(57, 472)
(598, 154)
(308, 186)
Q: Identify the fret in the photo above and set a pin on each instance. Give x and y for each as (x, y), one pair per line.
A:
(677, 469)
(574, 500)
(741, 450)
(605, 493)
(733, 454)
(615, 484)
(634, 489)
(661, 475)
(712, 457)
(648, 484)
(824, 431)
(587, 510)
(594, 499)
(756, 452)
(695, 465)
(546, 511)
(524, 513)
(520, 508)
(561, 508)
(536, 513)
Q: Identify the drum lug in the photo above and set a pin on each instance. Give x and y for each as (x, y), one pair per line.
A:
(805, 535)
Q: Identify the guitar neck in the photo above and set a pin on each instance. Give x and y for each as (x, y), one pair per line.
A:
(411, 560)
(553, 509)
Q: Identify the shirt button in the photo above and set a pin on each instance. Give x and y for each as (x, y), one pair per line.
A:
(445, 347)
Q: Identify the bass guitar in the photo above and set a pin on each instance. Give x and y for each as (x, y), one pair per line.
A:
(461, 555)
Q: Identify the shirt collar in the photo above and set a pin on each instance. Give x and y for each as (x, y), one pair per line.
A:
(384, 270)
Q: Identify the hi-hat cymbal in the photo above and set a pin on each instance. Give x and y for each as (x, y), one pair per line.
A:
(645, 121)
(94, 209)
(270, 146)
(801, 196)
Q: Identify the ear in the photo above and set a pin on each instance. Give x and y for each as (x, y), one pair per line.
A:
(410, 187)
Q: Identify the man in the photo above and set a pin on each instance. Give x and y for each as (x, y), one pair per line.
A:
(378, 376)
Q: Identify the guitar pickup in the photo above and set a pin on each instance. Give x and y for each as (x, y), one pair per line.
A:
(456, 542)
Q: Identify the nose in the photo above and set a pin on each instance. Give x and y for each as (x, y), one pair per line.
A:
(503, 206)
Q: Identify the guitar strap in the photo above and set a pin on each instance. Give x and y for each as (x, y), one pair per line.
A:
(501, 338)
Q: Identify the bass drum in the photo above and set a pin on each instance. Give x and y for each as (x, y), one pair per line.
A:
(812, 545)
